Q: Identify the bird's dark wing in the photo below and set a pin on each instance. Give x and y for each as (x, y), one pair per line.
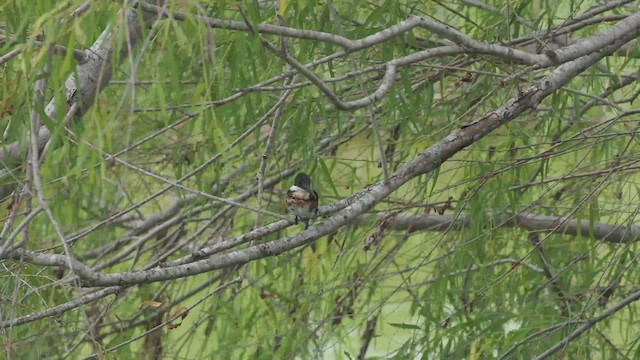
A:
(315, 195)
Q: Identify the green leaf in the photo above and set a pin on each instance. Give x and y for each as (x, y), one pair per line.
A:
(406, 326)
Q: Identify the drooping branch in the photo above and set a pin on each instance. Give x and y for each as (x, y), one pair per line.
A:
(354, 206)
(361, 202)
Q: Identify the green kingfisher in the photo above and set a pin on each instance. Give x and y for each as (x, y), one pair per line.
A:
(302, 200)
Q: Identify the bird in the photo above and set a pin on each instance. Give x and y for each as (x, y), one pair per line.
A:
(302, 199)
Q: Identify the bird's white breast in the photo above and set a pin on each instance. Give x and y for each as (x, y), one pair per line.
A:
(296, 188)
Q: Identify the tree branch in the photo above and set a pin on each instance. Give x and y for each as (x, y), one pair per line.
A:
(361, 202)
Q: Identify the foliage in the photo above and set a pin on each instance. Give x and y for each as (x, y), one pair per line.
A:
(197, 136)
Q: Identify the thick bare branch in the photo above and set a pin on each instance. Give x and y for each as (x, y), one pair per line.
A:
(526, 220)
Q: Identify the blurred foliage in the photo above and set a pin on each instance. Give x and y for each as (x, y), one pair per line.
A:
(436, 295)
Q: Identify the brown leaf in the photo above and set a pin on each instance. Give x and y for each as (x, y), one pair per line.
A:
(152, 303)
(181, 313)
